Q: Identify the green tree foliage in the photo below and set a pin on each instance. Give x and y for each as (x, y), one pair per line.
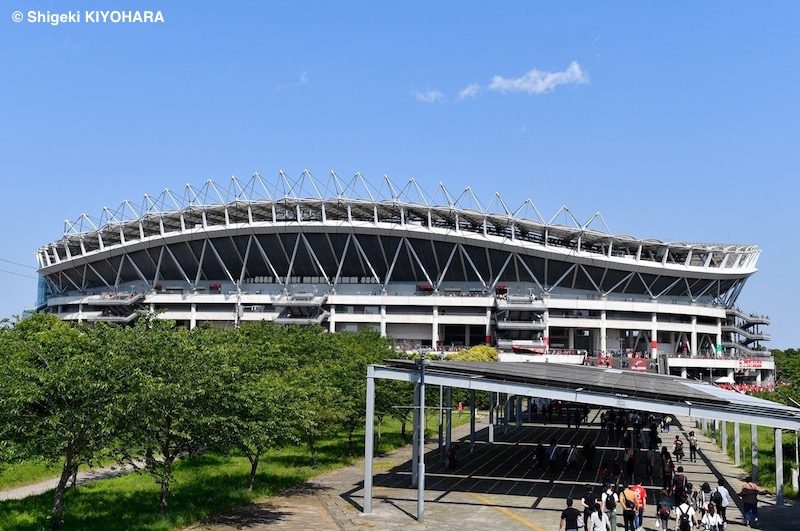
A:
(59, 387)
(477, 353)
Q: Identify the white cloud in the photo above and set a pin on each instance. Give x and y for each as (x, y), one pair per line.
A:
(430, 96)
(299, 82)
(470, 91)
(539, 81)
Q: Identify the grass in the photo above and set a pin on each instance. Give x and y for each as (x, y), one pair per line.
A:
(27, 472)
(766, 455)
(203, 486)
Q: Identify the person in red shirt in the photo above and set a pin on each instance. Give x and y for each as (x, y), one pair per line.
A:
(641, 502)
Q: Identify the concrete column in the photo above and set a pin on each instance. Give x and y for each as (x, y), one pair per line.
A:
(779, 467)
(684, 372)
(603, 332)
(719, 337)
(571, 339)
(754, 451)
(491, 416)
(758, 377)
(332, 320)
(383, 321)
(737, 445)
(704, 425)
(693, 343)
(471, 420)
(546, 336)
(435, 329)
(654, 336)
(488, 332)
(421, 464)
(192, 317)
(415, 437)
(369, 440)
(449, 425)
(466, 335)
(723, 436)
(530, 409)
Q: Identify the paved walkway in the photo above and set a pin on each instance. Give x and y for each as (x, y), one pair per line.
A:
(93, 474)
(495, 487)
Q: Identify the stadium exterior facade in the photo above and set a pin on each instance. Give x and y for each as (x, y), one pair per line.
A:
(434, 271)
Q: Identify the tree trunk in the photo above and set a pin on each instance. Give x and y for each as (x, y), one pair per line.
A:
(313, 450)
(253, 470)
(74, 476)
(58, 501)
(403, 430)
(350, 440)
(163, 508)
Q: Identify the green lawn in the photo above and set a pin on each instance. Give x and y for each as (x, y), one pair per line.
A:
(203, 486)
(766, 454)
(26, 472)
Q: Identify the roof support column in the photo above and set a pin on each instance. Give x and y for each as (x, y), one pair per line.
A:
(723, 436)
(654, 336)
(779, 467)
(471, 420)
(435, 329)
(448, 415)
(603, 332)
(414, 436)
(383, 320)
(693, 345)
(193, 316)
(491, 416)
(332, 319)
(718, 346)
(737, 445)
(421, 451)
(369, 426)
(519, 411)
(754, 451)
(488, 333)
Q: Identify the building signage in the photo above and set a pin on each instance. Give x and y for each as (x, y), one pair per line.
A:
(749, 363)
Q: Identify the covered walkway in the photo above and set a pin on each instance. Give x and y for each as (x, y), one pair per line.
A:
(495, 463)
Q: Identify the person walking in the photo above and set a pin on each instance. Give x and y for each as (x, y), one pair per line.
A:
(627, 501)
(749, 495)
(721, 498)
(712, 520)
(588, 501)
(684, 514)
(598, 521)
(692, 447)
(609, 500)
(641, 503)
(569, 517)
(664, 509)
(677, 449)
(679, 491)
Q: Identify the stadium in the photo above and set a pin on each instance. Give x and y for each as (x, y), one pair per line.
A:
(438, 271)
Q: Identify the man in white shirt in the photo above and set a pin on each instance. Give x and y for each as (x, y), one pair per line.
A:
(723, 500)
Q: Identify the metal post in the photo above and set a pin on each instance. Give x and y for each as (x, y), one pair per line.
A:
(779, 467)
(491, 417)
(754, 451)
(506, 412)
(737, 445)
(421, 473)
(530, 409)
(415, 437)
(471, 420)
(723, 434)
(441, 424)
(449, 426)
(368, 440)
(519, 412)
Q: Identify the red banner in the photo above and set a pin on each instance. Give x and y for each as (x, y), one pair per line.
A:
(749, 363)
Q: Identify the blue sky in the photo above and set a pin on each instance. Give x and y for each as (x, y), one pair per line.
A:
(680, 121)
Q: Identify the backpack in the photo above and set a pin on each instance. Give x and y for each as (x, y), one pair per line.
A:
(630, 505)
(610, 504)
(716, 497)
(684, 523)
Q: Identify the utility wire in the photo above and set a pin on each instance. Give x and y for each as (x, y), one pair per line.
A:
(16, 263)
(18, 274)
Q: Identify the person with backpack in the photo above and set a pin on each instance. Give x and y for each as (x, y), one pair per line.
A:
(664, 509)
(679, 492)
(721, 498)
(628, 502)
(692, 447)
(684, 513)
(677, 449)
(609, 500)
(703, 499)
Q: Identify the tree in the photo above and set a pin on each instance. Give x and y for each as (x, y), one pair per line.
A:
(483, 353)
(180, 386)
(59, 385)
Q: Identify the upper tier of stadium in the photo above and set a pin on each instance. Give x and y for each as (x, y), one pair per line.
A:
(307, 201)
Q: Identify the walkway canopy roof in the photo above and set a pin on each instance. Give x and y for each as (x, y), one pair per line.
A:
(597, 386)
